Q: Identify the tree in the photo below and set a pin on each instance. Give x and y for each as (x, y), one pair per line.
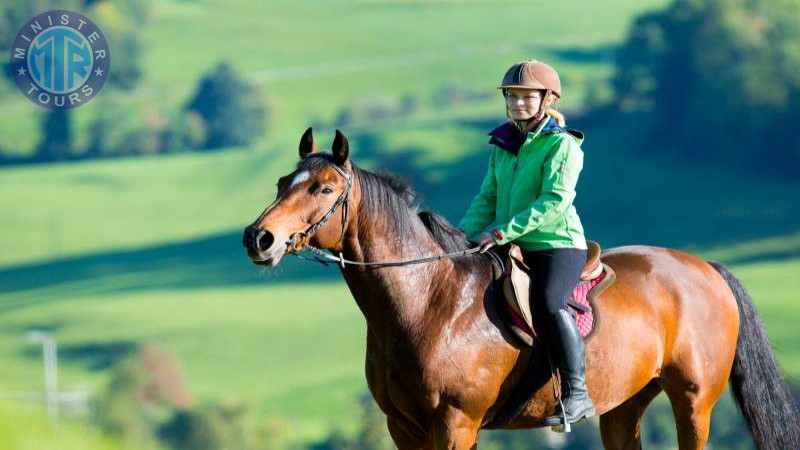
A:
(219, 426)
(719, 79)
(121, 22)
(119, 409)
(140, 392)
(231, 108)
(56, 141)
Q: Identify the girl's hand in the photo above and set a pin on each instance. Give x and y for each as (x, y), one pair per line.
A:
(485, 241)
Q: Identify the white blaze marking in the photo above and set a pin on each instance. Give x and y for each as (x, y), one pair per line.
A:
(300, 177)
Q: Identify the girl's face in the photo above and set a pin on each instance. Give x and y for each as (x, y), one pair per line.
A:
(523, 104)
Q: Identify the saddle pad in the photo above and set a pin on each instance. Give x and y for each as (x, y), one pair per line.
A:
(585, 319)
(580, 295)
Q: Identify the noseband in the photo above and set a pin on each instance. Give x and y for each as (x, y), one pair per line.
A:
(342, 200)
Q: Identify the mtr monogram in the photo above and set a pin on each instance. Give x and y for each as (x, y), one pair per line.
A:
(60, 59)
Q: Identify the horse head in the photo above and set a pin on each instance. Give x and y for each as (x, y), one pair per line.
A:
(306, 205)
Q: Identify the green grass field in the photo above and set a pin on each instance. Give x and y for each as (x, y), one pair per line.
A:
(142, 267)
(27, 427)
(291, 351)
(111, 254)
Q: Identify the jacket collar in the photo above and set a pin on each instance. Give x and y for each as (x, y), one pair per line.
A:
(508, 137)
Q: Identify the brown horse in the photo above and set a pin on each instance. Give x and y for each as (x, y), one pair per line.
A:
(441, 365)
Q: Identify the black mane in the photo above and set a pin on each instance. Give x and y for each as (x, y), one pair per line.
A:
(386, 195)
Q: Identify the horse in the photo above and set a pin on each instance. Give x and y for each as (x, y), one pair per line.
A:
(441, 365)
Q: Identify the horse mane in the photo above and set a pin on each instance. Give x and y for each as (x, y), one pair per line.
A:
(386, 195)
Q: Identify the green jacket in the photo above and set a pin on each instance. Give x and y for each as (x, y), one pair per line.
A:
(527, 194)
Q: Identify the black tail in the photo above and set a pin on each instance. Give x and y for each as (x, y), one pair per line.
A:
(758, 387)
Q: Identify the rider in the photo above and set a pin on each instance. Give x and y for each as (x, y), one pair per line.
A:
(526, 198)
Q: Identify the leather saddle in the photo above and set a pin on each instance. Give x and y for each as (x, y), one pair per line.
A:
(513, 278)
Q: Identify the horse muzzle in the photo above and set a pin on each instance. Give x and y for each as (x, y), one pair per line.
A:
(261, 247)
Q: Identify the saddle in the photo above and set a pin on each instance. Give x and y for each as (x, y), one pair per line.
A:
(513, 278)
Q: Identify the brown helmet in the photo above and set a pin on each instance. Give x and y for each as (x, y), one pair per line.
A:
(532, 74)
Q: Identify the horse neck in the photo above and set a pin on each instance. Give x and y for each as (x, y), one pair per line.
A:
(393, 299)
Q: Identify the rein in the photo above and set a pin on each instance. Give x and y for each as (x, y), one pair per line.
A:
(405, 262)
(341, 260)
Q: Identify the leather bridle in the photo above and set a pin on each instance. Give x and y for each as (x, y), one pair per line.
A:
(341, 201)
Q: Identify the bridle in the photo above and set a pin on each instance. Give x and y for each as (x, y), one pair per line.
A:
(341, 201)
(341, 260)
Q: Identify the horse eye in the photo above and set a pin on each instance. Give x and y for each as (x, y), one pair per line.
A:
(327, 190)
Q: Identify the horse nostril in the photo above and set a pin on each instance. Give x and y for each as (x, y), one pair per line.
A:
(264, 240)
(249, 237)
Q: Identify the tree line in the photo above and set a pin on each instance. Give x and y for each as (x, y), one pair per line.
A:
(715, 81)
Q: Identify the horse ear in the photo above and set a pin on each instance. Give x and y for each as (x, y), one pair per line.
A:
(307, 144)
(341, 148)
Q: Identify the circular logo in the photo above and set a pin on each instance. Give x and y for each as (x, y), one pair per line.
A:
(60, 59)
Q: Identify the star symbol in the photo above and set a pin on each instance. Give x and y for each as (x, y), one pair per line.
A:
(21, 71)
(98, 72)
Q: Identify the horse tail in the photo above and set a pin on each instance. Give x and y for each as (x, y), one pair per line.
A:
(756, 381)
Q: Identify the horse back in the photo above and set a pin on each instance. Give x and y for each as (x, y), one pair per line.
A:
(668, 310)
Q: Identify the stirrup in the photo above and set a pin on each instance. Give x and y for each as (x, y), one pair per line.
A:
(565, 427)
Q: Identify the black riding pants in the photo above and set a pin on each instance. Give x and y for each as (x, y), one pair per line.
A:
(555, 274)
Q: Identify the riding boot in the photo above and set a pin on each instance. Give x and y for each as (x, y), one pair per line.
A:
(566, 343)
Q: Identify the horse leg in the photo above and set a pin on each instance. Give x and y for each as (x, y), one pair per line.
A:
(693, 421)
(692, 401)
(405, 439)
(455, 431)
(620, 427)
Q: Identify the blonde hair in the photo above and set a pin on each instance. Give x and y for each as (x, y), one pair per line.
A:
(552, 112)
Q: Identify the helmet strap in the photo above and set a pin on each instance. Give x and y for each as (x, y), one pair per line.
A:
(542, 108)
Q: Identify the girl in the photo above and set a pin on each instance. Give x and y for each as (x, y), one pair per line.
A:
(526, 198)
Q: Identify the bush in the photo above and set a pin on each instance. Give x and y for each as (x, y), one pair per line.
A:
(215, 427)
(117, 132)
(231, 108)
(372, 435)
(187, 131)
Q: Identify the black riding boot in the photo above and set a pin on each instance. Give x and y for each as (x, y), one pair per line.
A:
(566, 344)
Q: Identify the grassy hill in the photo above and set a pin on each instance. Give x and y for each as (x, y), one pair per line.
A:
(310, 60)
(111, 254)
(291, 351)
(26, 427)
(290, 341)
